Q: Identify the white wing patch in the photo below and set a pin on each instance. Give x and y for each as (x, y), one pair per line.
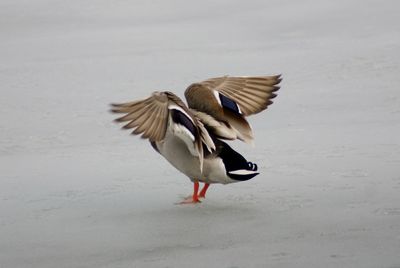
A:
(242, 172)
(216, 95)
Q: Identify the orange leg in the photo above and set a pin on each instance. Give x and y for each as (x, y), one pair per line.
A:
(203, 191)
(195, 197)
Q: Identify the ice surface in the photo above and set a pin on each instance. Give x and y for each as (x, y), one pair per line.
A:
(75, 191)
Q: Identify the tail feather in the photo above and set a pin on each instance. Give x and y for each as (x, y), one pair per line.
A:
(237, 167)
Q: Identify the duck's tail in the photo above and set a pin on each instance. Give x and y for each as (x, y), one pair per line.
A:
(237, 167)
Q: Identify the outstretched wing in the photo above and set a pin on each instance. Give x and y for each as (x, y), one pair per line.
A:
(252, 94)
(230, 99)
(148, 116)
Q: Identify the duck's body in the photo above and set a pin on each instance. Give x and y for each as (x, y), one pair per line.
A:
(217, 166)
(190, 138)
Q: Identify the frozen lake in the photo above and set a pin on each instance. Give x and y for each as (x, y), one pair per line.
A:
(75, 191)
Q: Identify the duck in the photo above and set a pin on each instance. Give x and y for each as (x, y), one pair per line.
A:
(193, 137)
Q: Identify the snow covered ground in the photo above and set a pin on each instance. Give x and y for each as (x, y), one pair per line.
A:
(75, 191)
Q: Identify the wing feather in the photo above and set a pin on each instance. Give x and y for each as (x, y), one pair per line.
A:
(152, 126)
(251, 94)
(240, 89)
(258, 89)
(148, 117)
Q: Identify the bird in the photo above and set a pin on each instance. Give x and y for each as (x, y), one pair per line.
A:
(192, 137)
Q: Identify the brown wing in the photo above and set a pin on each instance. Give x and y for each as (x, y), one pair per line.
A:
(252, 94)
(230, 99)
(148, 116)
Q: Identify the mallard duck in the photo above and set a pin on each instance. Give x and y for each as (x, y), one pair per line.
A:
(191, 136)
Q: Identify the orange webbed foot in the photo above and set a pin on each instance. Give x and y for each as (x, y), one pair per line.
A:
(192, 199)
